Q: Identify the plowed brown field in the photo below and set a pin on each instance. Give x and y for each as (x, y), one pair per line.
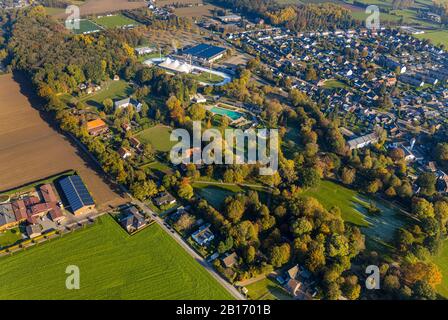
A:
(30, 149)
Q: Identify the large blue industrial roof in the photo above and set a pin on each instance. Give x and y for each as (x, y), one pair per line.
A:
(204, 51)
(76, 192)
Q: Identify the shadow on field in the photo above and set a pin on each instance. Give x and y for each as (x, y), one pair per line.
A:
(27, 89)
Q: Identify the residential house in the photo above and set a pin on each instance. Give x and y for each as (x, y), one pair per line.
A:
(128, 102)
(124, 153)
(164, 198)
(132, 220)
(203, 236)
(97, 127)
(230, 260)
(198, 98)
(293, 287)
(134, 142)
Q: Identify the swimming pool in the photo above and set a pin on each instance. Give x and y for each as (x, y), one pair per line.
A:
(234, 115)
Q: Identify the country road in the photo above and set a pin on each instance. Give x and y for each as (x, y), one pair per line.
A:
(229, 287)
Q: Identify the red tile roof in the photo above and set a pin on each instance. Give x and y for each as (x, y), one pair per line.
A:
(19, 209)
(48, 193)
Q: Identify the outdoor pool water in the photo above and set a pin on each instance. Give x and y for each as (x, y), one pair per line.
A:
(234, 115)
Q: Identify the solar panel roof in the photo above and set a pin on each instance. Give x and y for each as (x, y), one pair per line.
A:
(76, 192)
(204, 51)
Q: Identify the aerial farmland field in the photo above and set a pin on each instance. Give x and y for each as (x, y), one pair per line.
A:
(30, 149)
(112, 264)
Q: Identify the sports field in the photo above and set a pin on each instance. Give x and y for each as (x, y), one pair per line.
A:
(112, 264)
(158, 136)
(87, 26)
(115, 21)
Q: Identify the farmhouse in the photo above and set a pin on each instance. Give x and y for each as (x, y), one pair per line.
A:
(77, 195)
(7, 217)
(33, 230)
(128, 102)
(205, 52)
(97, 127)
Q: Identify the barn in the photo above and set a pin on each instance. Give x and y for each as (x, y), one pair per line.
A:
(77, 195)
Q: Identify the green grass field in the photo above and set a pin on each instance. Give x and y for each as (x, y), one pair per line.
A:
(335, 84)
(267, 289)
(114, 90)
(331, 194)
(87, 26)
(9, 237)
(54, 11)
(115, 21)
(158, 136)
(436, 37)
(215, 194)
(113, 265)
(379, 229)
(442, 261)
(207, 77)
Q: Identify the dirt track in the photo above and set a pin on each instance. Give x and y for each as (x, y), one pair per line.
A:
(30, 149)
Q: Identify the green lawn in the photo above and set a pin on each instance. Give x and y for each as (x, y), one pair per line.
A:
(207, 77)
(114, 90)
(115, 21)
(113, 265)
(331, 194)
(9, 237)
(157, 168)
(267, 289)
(216, 194)
(335, 84)
(436, 37)
(54, 11)
(149, 56)
(158, 136)
(379, 228)
(442, 261)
